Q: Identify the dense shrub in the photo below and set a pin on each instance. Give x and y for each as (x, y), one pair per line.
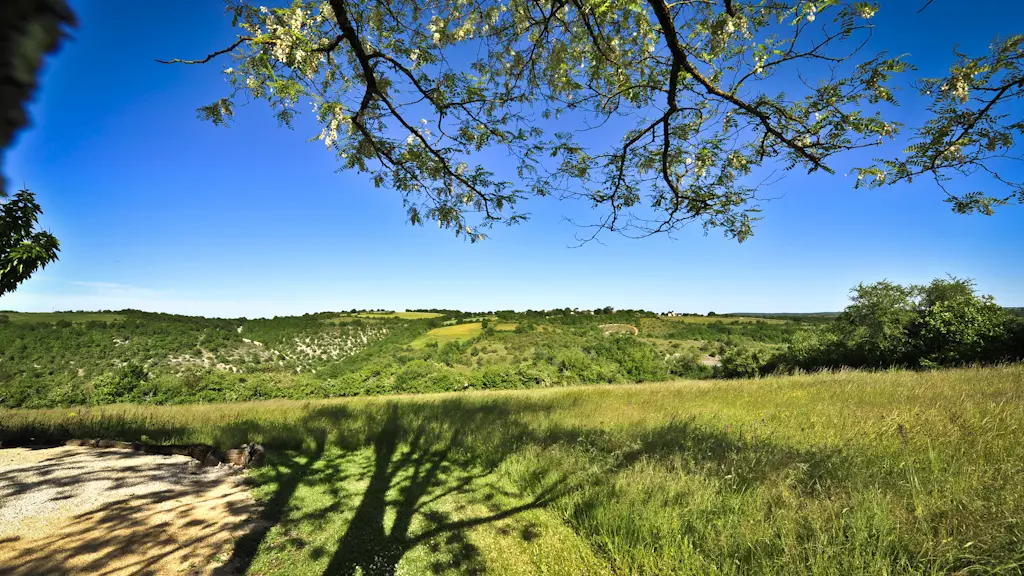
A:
(688, 365)
(424, 376)
(505, 377)
(944, 323)
(741, 362)
(576, 367)
(121, 385)
(638, 360)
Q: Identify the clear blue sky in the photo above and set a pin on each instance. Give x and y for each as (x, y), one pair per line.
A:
(159, 211)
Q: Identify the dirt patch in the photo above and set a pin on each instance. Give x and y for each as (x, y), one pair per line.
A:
(620, 329)
(77, 510)
(710, 361)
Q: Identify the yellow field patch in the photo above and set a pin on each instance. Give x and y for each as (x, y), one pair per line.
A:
(449, 334)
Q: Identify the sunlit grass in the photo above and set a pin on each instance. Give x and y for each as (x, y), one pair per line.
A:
(455, 332)
(841, 473)
(402, 315)
(723, 319)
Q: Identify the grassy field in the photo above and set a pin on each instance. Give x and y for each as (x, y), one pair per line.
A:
(845, 473)
(449, 334)
(58, 316)
(619, 328)
(402, 315)
(723, 319)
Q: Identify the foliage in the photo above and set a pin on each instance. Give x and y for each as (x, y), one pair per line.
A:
(741, 362)
(422, 376)
(944, 323)
(878, 322)
(673, 105)
(970, 129)
(121, 385)
(636, 358)
(24, 250)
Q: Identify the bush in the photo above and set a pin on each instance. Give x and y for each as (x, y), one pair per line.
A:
(944, 323)
(741, 362)
(688, 365)
(505, 377)
(69, 393)
(119, 386)
(638, 360)
(575, 367)
(450, 354)
(422, 376)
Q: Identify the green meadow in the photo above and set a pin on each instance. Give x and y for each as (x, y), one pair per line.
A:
(891, 472)
(724, 319)
(402, 315)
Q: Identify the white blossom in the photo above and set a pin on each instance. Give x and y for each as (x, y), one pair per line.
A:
(327, 11)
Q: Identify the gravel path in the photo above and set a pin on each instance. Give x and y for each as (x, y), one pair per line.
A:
(84, 510)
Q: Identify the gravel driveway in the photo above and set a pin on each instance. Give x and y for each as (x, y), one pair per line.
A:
(71, 510)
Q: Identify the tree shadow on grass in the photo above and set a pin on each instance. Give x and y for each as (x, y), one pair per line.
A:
(421, 474)
(390, 470)
(387, 474)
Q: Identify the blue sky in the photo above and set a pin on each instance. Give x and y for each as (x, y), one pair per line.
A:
(158, 211)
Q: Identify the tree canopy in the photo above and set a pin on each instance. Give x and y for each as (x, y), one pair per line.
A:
(657, 113)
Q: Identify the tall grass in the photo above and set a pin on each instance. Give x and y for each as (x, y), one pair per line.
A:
(842, 473)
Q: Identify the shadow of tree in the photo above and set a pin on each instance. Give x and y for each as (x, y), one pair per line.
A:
(388, 473)
(425, 474)
(416, 456)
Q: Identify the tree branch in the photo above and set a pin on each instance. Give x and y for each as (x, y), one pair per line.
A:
(241, 40)
(679, 57)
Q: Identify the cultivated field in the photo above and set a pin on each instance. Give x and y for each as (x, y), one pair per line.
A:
(834, 473)
(455, 332)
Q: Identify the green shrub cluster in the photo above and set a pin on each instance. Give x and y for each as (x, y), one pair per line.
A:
(944, 323)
